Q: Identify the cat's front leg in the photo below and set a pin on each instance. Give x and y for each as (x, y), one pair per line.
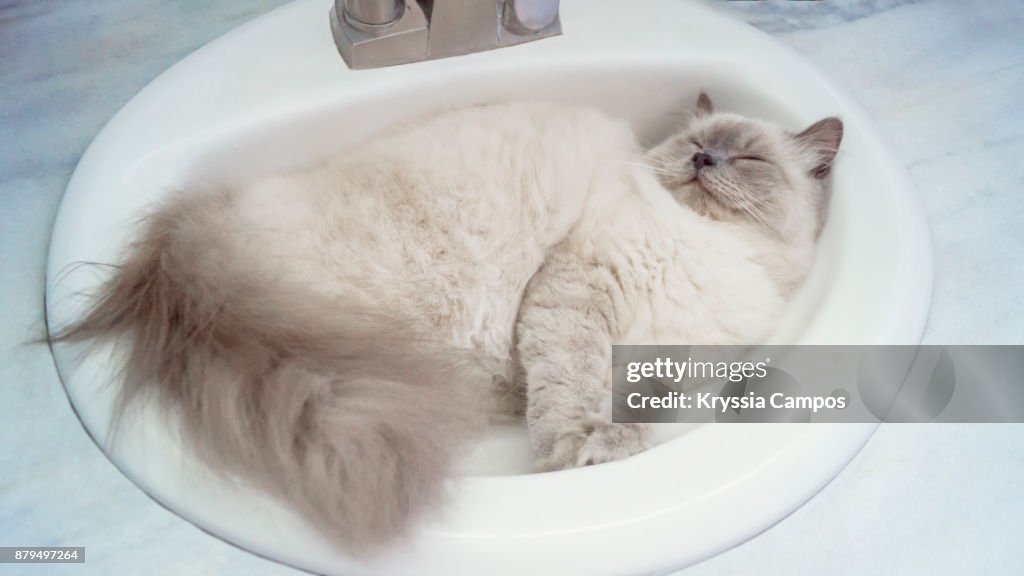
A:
(564, 345)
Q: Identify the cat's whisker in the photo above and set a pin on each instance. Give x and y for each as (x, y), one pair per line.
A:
(661, 155)
(749, 203)
(666, 160)
(758, 217)
(647, 144)
(638, 164)
(663, 171)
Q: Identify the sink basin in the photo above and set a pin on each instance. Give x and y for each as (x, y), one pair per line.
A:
(274, 94)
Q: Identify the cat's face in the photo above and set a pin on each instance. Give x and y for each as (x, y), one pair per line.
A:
(738, 169)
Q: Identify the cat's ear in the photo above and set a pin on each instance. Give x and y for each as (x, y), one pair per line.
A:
(821, 141)
(704, 106)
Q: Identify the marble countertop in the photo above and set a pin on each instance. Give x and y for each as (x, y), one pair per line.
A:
(943, 79)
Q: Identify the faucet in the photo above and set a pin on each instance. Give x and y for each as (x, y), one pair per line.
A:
(374, 33)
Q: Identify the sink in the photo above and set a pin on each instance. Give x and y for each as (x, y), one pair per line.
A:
(274, 94)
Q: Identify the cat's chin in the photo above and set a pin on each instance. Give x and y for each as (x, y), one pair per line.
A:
(703, 187)
(699, 197)
(694, 194)
(712, 204)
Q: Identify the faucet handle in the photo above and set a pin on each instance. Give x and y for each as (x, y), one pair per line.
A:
(375, 33)
(529, 16)
(371, 13)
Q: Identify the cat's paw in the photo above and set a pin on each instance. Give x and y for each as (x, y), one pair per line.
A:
(595, 442)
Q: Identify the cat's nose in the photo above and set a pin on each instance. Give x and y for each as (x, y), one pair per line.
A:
(700, 160)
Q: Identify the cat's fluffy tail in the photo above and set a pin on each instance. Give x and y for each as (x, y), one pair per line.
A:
(341, 413)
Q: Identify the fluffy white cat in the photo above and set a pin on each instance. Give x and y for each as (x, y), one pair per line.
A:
(336, 334)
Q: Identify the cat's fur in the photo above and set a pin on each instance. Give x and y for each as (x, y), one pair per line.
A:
(335, 334)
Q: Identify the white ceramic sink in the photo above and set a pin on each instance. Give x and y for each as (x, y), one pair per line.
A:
(275, 93)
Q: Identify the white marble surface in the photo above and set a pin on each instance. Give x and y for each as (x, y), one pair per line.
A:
(944, 80)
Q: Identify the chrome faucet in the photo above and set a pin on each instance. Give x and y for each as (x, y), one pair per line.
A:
(374, 33)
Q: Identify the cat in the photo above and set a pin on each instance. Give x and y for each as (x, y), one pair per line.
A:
(336, 334)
